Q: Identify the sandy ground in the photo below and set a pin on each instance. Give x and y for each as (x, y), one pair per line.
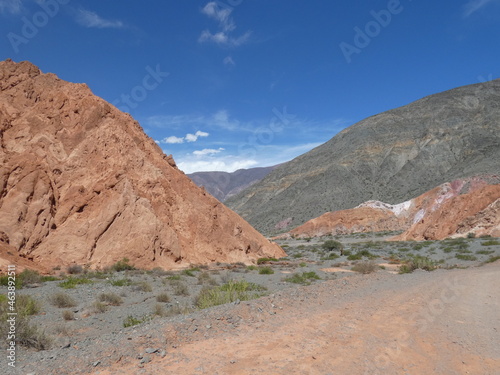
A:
(441, 322)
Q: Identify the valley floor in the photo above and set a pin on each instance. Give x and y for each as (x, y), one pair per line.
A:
(440, 322)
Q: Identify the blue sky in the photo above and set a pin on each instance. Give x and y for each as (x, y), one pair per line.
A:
(232, 84)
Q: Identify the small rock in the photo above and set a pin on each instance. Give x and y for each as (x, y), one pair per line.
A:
(146, 359)
(151, 350)
(162, 353)
(233, 361)
(96, 363)
(209, 326)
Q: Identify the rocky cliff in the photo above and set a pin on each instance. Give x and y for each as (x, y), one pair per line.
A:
(391, 157)
(80, 182)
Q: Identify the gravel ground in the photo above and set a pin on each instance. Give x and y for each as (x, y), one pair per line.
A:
(93, 341)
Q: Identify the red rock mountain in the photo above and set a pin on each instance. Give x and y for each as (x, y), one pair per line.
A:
(80, 182)
(451, 209)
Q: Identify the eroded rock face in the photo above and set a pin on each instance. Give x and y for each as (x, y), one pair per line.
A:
(80, 182)
(451, 209)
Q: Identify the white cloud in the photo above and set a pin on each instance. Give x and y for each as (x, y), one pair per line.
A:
(194, 137)
(228, 60)
(11, 6)
(219, 164)
(213, 10)
(173, 140)
(91, 19)
(208, 151)
(223, 39)
(474, 5)
(188, 138)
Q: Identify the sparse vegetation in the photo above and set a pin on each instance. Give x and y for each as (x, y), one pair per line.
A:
(131, 321)
(266, 260)
(365, 267)
(121, 282)
(491, 243)
(143, 286)
(110, 299)
(163, 297)
(331, 245)
(68, 315)
(122, 265)
(229, 292)
(266, 271)
(417, 262)
(466, 257)
(74, 269)
(72, 282)
(98, 307)
(62, 300)
(305, 278)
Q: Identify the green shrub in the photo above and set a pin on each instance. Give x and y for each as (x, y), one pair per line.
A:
(252, 268)
(360, 254)
(471, 235)
(121, 282)
(72, 282)
(230, 292)
(27, 305)
(331, 245)
(490, 243)
(304, 278)
(205, 278)
(122, 265)
(131, 321)
(485, 252)
(266, 271)
(62, 300)
(492, 259)
(417, 262)
(466, 257)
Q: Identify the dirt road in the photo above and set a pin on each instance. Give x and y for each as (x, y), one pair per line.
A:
(441, 322)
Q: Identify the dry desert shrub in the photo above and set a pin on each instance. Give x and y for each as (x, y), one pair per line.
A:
(365, 267)
(62, 300)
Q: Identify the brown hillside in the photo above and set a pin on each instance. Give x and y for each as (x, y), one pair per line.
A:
(80, 182)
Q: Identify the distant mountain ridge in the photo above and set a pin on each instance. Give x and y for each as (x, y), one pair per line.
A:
(223, 185)
(390, 157)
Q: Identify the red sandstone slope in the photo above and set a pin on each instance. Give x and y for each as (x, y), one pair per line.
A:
(456, 208)
(80, 182)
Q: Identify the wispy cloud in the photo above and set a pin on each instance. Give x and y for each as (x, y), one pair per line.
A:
(474, 5)
(228, 60)
(10, 6)
(215, 164)
(208, 151)
(223, 16)
(222, 37)
(172, 140)
(91, 19)
(187, 138)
